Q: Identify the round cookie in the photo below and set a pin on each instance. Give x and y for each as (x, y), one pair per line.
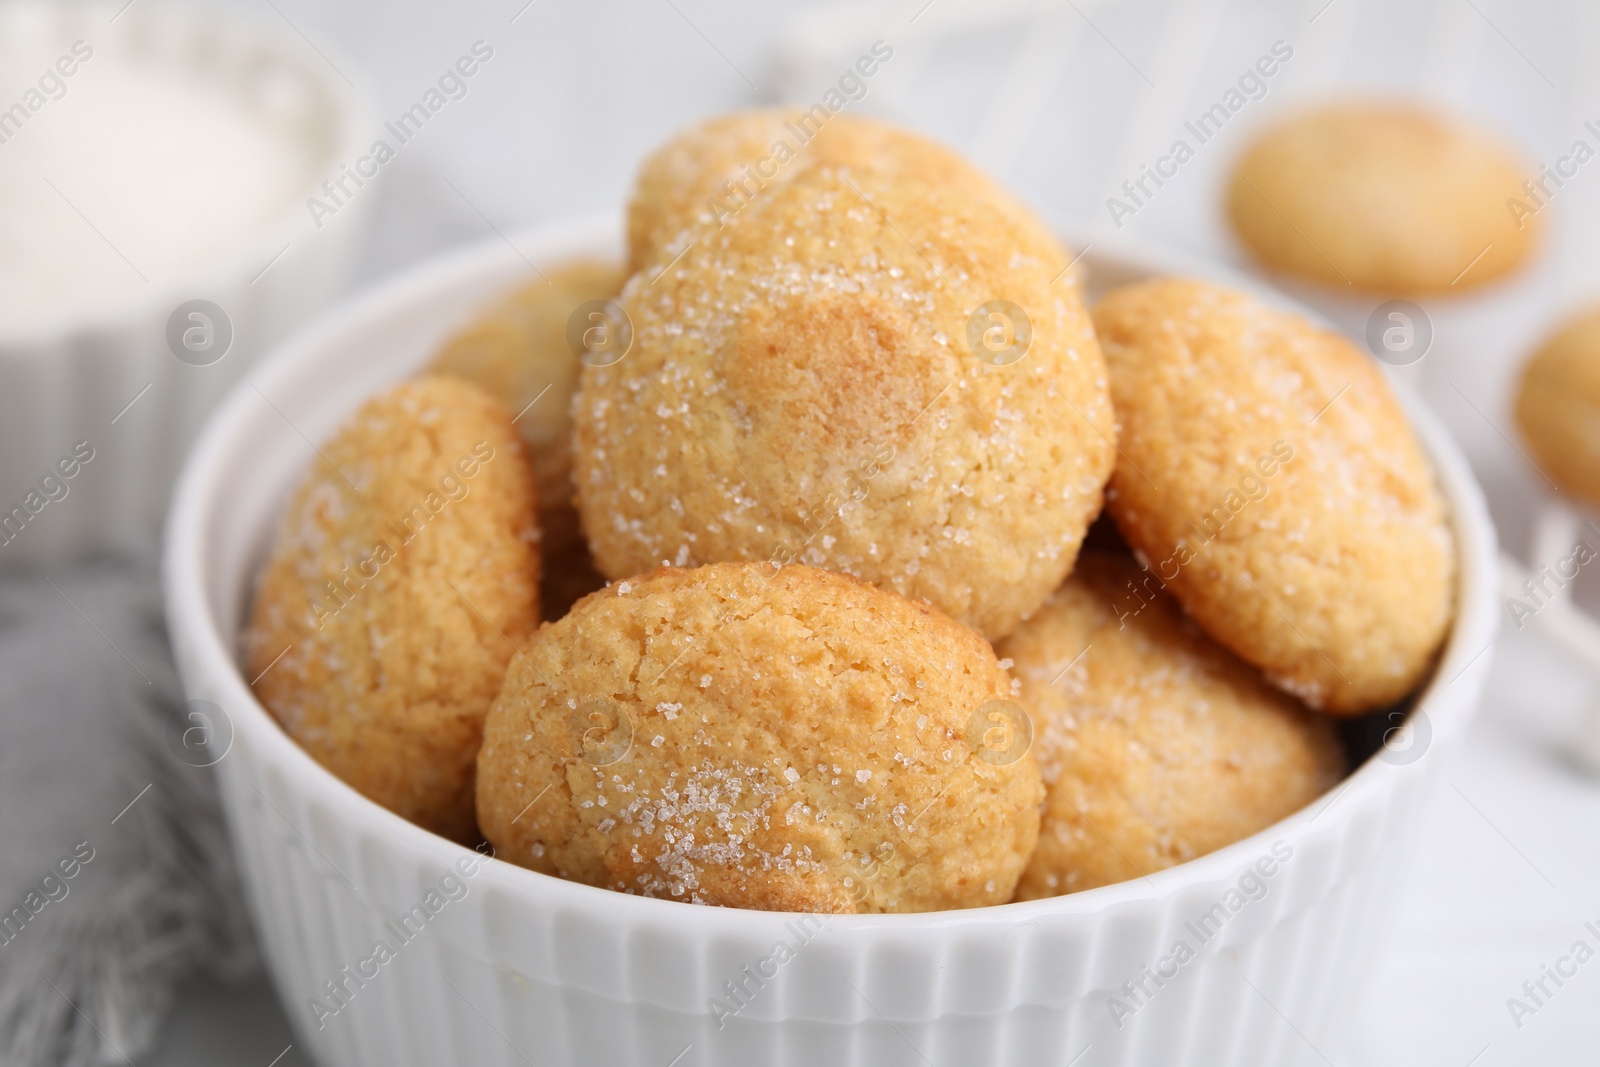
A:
(517, 351)
(1269, 477)
(786, 739)
(1558, 407)
(1387, 197)
(704, 176)
(404, 574)
(680, 183)
(815, 382)
(1156, 744)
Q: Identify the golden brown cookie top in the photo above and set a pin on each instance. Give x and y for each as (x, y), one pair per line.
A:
(807, 384)
(695, 183)
(1156, 744)
(1270, 478)
(1558, 406)
(1387, 197)
(403, 575)
(774, 738)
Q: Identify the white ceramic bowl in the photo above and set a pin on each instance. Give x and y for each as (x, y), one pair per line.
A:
(528, 969)
(105, 374)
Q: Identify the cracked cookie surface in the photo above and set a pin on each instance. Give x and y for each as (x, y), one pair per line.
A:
(785, 739)
(1269, 478)
(404, 574)
(804, 387)
(1156, 745)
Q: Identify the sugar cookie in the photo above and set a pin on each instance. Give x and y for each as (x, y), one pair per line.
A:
(1388, 197)
(759, 737)
(871, 373)
(1270, 478)
(404, 574)
(1156, 744)
(695, 183)
(1558, 407)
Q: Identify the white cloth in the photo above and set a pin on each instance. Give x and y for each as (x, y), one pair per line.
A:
(116, 878)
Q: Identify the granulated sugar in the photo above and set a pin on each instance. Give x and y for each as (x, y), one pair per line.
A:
(124, 173)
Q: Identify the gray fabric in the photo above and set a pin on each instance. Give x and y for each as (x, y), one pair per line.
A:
(91, 714)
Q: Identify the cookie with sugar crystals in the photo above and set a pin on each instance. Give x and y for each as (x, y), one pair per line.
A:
(1269, 477)
(1156, 744)
(875, 372)
(705, 175)
(785, 739)
(404, 575)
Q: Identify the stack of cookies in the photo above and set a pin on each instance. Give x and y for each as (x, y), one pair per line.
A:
(803, 495)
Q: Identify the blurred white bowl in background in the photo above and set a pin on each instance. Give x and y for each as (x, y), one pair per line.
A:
(156, 161)
(529, 969)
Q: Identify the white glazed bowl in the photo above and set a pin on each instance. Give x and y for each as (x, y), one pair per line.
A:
(105, 375)
(529, 969)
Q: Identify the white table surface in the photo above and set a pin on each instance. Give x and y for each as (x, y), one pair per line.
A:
(1062, 109)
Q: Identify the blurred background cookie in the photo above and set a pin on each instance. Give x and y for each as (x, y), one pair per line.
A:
(863, 371)
(784, 739)
(1388, 197)
(1270, 479)
(1156, 744)
(517, 351)
(1558, 407)
(404, 575)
